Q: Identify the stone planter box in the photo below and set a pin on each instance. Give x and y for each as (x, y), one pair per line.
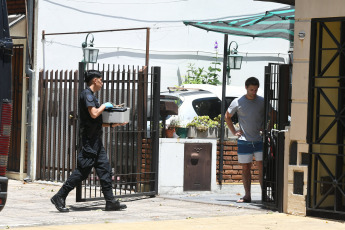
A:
(209, 133)
(228, 134)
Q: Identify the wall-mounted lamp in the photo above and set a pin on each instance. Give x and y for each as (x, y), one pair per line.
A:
(90, 53)
(234, 60)
(301, 35)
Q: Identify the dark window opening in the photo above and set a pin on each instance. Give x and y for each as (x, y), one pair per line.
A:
(207, 107)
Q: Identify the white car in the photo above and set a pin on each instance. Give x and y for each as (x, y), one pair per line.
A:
(199, 100)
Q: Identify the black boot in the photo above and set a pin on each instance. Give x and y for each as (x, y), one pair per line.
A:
(114, 205)
(59, 203)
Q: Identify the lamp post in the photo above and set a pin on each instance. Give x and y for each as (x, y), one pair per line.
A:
(234, 60)
(90, 53)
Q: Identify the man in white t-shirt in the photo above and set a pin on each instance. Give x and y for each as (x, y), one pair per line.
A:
(250, 113)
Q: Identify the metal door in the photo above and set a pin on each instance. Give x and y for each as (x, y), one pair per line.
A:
(197, 167)
(277, 110)
(326, 119)
(17, 93)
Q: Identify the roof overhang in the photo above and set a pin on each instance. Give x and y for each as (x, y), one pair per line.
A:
(288, 2)
(14, 19)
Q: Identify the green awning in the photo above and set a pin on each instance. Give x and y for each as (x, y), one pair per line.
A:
(277, 23)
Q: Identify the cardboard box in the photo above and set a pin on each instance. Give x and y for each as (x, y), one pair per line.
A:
(116, 115)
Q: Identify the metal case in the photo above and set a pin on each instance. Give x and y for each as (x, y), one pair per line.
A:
(116, 115)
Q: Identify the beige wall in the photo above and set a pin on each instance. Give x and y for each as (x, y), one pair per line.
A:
(305, 11)
(19, 29)
(319, 8)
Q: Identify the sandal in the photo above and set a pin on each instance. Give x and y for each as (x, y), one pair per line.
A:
(244, 200)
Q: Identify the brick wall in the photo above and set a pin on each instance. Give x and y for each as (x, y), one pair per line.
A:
(232, 170)
(146, 157)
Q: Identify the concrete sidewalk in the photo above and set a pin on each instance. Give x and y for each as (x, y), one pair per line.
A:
(263, 221)
(28, 207)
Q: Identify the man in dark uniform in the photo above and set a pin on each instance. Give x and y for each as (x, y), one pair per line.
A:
(92, 153)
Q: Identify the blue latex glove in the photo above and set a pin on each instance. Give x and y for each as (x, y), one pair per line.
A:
(108, 105)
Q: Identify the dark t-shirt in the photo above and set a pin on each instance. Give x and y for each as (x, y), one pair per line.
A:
(89, 128)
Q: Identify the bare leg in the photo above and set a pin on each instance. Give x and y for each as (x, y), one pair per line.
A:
(246, 178)
(259, 164)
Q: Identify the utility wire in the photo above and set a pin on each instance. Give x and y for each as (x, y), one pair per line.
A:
(163, 51)
(127, 3)
(90, 12)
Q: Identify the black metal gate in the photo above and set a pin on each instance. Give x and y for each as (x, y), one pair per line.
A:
(326, 119)
(132, 149)
(277, 110)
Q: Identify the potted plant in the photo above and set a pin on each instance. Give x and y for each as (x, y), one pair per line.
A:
(182, 131)
(169, 132)
(171, 128)
(203, 127)
(180, 128)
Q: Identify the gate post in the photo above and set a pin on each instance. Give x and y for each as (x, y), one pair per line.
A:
(155, 136)
(81, 70)
(283, 108)
(277, 86)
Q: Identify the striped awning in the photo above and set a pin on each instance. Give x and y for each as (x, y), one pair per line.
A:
(277, 23)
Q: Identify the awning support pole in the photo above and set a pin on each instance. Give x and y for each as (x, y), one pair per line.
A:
(223, 109)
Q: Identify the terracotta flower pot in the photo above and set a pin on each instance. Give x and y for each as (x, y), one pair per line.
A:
(169, 133)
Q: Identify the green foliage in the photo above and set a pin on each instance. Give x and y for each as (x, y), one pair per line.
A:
(197, 75)
(218, 119)
(202, 123)
(176, 123)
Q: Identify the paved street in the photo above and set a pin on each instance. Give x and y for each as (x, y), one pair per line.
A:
(28, 207)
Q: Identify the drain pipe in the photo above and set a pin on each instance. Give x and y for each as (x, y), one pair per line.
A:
(30, 75)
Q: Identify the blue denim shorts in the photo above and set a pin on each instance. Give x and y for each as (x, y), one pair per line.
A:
(247, 149)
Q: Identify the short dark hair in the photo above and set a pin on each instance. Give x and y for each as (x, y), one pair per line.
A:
(91, 74)
(252, 81)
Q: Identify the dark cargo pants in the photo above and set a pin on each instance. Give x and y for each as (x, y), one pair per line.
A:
(92, 155)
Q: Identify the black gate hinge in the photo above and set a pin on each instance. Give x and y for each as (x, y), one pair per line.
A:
(6, 46)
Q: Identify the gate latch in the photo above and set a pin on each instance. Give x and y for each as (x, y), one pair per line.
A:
(280, 131)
